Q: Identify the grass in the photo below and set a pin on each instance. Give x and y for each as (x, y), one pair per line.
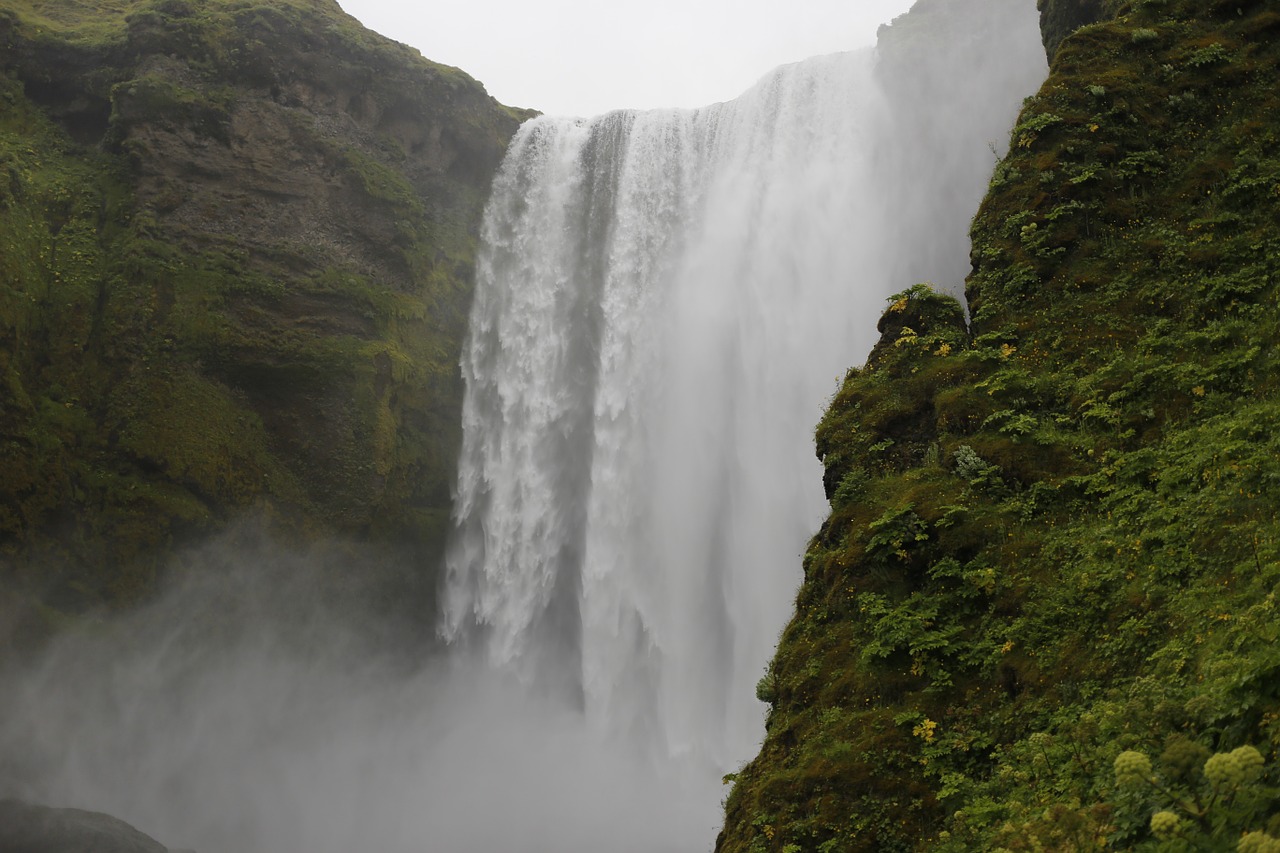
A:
(1058, 541)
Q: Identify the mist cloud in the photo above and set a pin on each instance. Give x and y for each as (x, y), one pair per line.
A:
(247, 710)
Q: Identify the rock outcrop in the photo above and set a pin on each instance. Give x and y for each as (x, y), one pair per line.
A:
(26, 828)
(1060, 18)
(1042, 612)
(236, 246)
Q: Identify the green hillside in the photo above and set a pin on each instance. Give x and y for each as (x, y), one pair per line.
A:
(236, 245)
(1042, 614)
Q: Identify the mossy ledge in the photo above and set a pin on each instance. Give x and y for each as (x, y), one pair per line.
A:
(236, 246)
(1043, 614)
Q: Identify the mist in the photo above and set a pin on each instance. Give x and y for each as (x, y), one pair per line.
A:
(628, 541)
(250, 709)
(665, 300)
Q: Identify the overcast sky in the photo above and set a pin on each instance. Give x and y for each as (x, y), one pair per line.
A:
(583, 57)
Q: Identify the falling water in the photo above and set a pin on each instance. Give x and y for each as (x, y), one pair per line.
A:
(664, 301)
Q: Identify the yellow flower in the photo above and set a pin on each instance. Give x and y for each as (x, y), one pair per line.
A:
(1132, 768)
(925, 730)
(1164, 824)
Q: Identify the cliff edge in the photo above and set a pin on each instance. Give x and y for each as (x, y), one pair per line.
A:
(1042, 614)
(236, 245)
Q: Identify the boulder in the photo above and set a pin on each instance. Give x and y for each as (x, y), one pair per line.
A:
(27, 828)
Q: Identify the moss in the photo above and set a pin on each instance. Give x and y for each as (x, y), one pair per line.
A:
(172, 354)
(1060, 18)
(1056, 542)
(154, 95)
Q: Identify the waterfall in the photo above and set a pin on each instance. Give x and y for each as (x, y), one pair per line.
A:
(664, 302)
(662, 305)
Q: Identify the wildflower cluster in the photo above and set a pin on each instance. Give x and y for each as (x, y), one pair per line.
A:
(1230, 770)
(1210, 799)
(1132, 769)
(1165, 824)
(1258, 842)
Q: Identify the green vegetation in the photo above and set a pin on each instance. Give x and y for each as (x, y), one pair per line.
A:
(1043, 612)
(211, 34)
(235, 263)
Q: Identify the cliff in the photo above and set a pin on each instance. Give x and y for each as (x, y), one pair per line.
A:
(1042, 614)
(236, 242)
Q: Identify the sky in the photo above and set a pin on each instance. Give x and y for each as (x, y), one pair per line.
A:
(585, 57)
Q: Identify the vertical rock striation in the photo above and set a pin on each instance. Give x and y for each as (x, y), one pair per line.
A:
(237, 259)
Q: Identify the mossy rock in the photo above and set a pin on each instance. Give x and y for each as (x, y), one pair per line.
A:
(236, 255)
(1060, 18)
(1058, 542)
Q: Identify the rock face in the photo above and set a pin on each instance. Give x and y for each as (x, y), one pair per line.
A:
(1060, 18)
(235, 263)
(1044, 606)
(26, 828)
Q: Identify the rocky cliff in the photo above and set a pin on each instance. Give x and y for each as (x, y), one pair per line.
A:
(1042, 614)
(235, 263)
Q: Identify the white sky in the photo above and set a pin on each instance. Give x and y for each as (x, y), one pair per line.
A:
(583, 57)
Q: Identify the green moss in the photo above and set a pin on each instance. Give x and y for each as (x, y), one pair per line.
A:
(153, 95)
(1059, 541)
(165, 366)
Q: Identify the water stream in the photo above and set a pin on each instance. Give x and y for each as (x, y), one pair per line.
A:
(665, 301)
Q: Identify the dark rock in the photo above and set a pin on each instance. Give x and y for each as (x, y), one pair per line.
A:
(26, 828)
(1060, 18)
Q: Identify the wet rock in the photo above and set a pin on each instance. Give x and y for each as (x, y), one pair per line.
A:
(27, 828)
